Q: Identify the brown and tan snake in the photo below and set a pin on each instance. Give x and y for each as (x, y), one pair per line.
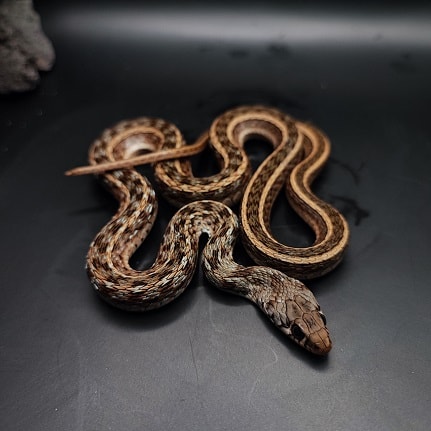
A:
(300, 151)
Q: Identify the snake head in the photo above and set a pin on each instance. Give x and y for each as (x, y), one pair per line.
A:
(292, 307)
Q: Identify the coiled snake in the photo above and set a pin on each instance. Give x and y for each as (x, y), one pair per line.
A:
(300, 151)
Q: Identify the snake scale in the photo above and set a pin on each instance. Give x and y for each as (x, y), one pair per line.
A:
(300, 150)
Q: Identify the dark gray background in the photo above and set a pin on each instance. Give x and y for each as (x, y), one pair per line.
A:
(210, 360)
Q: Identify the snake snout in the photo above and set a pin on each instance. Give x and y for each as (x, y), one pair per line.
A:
(318, 340)
(310, 332)
(320, 343)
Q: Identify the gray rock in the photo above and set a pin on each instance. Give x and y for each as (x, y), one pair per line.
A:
(24, 48)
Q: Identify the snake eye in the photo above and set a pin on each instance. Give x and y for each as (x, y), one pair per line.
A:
(297, 332)
(323, 318)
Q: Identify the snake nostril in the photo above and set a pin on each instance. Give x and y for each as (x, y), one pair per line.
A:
(297, 332)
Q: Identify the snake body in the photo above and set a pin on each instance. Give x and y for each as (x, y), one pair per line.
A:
(300, 150)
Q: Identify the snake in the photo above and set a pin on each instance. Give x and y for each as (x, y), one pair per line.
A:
(300, 150)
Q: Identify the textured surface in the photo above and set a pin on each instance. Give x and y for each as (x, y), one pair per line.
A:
(210, 361)
(24, 48)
